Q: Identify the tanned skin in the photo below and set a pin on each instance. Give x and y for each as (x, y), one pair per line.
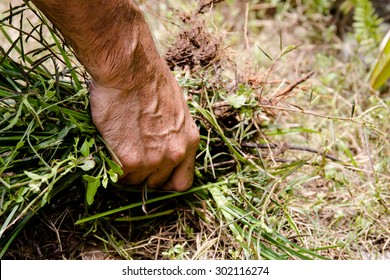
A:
(136, 103)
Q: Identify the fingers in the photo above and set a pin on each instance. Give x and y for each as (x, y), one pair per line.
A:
(172, 170)
(182, 176)
(170, 178)
(154, 176)
(159, 177)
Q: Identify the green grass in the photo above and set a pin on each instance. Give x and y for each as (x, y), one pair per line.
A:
(283, 172)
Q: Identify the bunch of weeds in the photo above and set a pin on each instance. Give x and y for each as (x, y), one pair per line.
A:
(242, 204)
(47, 140)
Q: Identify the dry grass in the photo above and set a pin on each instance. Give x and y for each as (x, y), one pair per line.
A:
(343, 206)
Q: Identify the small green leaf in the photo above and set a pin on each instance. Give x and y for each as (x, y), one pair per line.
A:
(34, 187)
(88, 164)
(64, 132)
(266, 54)
(44, 199)
(19, 145)
(13, 122)
(33, 176)
(49, 94)
(87, 145)
(114, 166)
(105, 181)
(92, 186)
(113, 176)
(21, 193)
(5, 205)
(237, 101)
(286, 50)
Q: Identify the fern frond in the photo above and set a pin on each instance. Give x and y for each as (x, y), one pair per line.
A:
(366, 24)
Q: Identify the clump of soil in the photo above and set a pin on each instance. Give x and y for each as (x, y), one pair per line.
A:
(195, 47)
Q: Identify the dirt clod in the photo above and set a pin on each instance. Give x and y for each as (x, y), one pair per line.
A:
(195, 46)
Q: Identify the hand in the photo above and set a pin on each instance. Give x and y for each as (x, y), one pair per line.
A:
(148, 126)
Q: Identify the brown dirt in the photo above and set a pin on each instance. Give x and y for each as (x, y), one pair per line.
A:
(195, 47)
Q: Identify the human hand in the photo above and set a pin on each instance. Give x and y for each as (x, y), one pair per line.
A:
(148, 127)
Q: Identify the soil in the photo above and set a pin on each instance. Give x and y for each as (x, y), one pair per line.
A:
(195, 47)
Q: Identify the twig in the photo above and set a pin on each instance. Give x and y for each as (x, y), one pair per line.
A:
(356, 169)
(246, 27)
(218, 164)
(271, 146)
(158, 245)
(366, 142)
(283, 93)
(287, 147)
(207, 5)
(312, 113)
(144, 197)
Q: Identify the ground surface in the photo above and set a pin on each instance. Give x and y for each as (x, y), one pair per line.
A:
(337, 206)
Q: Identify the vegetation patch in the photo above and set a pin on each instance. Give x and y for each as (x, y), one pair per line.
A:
(294, 152)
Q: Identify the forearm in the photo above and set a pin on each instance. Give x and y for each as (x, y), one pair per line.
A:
(105, 36)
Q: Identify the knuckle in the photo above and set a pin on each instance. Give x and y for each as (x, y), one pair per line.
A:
(194, 136)
(182, 188)
(178, 154)
(182, 184)
(152, 162)
(129, 163)
(133, 180)
(142, 164)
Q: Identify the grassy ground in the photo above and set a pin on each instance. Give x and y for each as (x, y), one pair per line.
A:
(293, 162)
